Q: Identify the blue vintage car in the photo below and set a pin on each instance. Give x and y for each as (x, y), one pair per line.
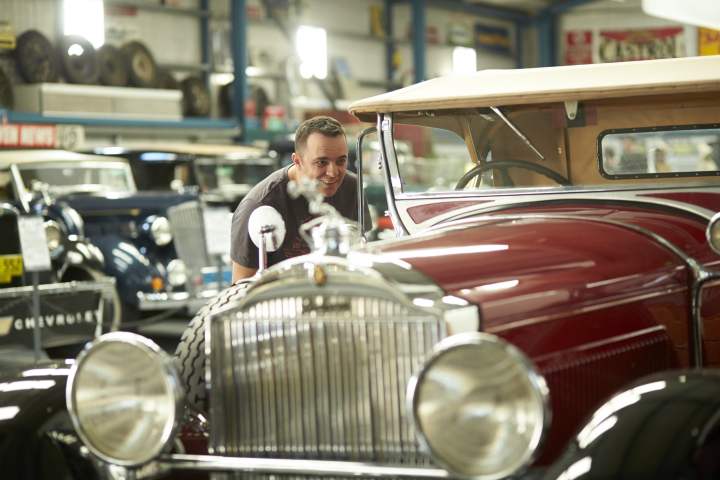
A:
(221, 174)
(132, 229)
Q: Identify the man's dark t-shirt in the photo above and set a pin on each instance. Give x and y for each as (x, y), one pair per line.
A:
(273, 192)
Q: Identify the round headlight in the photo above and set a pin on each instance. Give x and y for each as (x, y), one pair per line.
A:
(176, 272)
(713, 233)
(54, 235)
(479, 406)
(160, 231)
(124, 398)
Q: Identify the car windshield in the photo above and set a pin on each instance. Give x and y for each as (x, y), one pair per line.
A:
(548, 146)
(67, 178)
(228, 174)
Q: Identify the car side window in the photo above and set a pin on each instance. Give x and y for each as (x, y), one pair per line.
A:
(658, 152)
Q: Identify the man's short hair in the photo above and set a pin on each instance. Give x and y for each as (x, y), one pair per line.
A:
(328, 126)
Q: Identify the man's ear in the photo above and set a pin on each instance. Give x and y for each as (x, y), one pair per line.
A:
(296, 159)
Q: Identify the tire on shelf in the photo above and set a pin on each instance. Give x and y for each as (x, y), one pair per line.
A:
(7, 97)
(166, 80)
(190, 352)
(113, 67)
(141, 66)
(35, 57)
(196, 97)
(78, 59)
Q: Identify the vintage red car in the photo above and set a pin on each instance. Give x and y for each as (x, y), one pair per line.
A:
(557, 245)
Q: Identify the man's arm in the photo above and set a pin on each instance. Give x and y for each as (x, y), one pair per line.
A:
(240, 271)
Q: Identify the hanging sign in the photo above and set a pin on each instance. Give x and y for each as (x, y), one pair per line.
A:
(646, 44)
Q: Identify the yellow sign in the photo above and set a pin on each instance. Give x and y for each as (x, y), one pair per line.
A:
(10, 266)
(708, 41)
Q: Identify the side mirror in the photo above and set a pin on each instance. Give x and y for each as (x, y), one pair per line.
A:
(712, 233)
(267, 231)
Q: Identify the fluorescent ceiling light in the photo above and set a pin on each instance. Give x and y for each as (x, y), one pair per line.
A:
(464, 60)
(85, 18)
(311, 45)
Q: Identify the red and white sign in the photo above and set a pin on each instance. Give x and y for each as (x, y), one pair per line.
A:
(646, 44)
(578, 47)
(25, 135)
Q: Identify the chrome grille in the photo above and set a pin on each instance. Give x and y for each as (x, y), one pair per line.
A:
(322, 377)
(188, 230)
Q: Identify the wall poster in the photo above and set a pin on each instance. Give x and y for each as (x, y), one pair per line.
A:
(578, 47)
(645, 44)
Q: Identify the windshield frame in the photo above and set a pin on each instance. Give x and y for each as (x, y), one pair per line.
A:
(25, 190)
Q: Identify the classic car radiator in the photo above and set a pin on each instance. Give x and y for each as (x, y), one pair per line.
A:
(321, 377)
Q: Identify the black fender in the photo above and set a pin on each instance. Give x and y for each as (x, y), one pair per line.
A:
(664, 426)
(36, 438)
(131, 268)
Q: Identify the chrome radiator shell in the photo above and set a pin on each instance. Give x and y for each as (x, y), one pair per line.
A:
(306, 369)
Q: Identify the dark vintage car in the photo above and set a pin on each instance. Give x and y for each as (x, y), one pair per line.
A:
(75, 300)
(221, 174)
(550, 309)
(133, 230)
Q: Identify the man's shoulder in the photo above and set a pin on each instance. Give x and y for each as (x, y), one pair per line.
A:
(270, 187)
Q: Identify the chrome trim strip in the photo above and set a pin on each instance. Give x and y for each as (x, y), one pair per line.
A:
(589, 308)
(286, 466)
(392, 174)
(103, 285)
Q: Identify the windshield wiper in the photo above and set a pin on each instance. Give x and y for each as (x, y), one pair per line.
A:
(517, 131)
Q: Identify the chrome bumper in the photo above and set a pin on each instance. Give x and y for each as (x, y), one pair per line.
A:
(162, 300)
(285, 466)
(165, 301)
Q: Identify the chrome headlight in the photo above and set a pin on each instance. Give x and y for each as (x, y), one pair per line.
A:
(124, 398)
(176, 272)
(479, 406)
(54, 236)
(160, 231)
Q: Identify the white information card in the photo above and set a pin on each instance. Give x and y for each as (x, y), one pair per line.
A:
(33, 242)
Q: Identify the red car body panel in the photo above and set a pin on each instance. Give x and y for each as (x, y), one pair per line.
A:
(603, 304)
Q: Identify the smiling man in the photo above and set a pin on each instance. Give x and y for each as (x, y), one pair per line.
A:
(321, 153)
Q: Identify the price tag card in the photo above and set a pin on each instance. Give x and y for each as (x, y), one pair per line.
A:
(217, 230)
(33, 243)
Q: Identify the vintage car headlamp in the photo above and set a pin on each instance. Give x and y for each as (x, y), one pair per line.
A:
(124, 398)
(176, 272)
(160, 231)
(54, 236)
(479, 406)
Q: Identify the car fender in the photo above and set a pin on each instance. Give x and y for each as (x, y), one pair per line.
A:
(665, 426)
(131, 268)
(36, 438)
(84, 254)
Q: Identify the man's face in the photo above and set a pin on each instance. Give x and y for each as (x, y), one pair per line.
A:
(323, 159)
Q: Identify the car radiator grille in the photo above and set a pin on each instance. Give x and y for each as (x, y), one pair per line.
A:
(318, 378)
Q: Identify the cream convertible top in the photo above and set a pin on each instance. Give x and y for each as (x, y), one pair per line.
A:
(489, 88)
